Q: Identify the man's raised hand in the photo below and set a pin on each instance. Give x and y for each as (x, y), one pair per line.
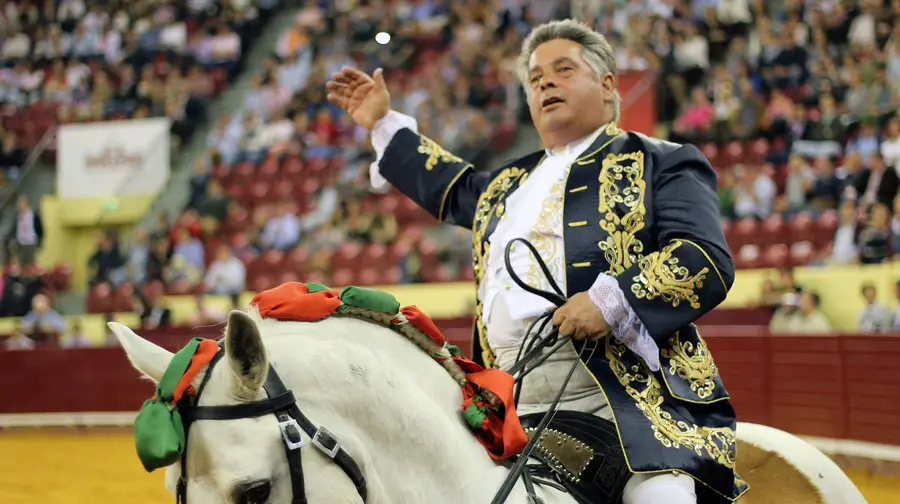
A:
(365, 98)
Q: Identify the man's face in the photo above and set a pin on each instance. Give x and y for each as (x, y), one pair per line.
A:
(563, 90)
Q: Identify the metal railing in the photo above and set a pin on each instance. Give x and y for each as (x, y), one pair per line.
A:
(30, 163)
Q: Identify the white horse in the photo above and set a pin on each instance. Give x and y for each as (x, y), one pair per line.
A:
(397, 412)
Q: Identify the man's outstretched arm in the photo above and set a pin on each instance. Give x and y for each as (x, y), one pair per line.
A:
(440, 182)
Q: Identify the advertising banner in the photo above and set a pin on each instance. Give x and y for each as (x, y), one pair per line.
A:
(113, 158)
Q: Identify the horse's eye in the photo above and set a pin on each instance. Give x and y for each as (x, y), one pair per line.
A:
(256, 493)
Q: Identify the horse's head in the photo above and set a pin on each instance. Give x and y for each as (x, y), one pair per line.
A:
(239, 461)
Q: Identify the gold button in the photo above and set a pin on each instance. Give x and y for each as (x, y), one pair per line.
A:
(507, 286)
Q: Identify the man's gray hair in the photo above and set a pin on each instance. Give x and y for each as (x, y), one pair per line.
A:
(597, 52)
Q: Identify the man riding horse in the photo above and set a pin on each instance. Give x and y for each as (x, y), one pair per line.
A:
(629, 227)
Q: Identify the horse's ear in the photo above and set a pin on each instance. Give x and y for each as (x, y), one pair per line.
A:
(246, 354)
(148, 358)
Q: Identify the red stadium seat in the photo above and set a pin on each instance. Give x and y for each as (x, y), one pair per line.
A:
(292, 168)
(268, 168)
(747, 257)
(100, 299)
(802, 253)
(221, 172)
(368, 276)
(236, 219)
(776, 256)
(732, 153)
(744, 231)
(259, 191)
(375, 256)
(757, 151)
(296, 260)
(347, 256)
(284, 189)
(342, 277)
(772, 230)
(800, 227)
(711, 152)
(260, 283)
(123, 298)
(825, 227)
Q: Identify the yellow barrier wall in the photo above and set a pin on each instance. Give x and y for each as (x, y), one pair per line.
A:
(71, 228)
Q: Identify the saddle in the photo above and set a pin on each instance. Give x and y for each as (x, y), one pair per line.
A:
(583, 452)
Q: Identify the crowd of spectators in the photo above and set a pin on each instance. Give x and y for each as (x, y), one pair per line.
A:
(314, 161)
(794, 103)
(88, 60)
(805, 84)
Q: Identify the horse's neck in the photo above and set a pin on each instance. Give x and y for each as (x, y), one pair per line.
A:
(396, 410)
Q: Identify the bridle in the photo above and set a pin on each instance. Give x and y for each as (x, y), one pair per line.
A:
(291, 421)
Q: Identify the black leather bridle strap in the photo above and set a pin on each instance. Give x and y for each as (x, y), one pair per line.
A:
(181, 487)
(282, 404)
(321, 438)
(239, 411)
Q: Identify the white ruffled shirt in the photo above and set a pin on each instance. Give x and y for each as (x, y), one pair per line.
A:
(550, 172)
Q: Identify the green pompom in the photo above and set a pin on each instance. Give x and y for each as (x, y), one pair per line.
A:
(158, 435)
(454, 350)
(475, 415)
(370, 299)
(317, 287)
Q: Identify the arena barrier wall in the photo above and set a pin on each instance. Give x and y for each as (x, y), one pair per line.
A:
(840, 387)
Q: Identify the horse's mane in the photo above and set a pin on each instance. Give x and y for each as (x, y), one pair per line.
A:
(385, 320)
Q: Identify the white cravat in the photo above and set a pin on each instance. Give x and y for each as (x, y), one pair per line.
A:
(542, 225)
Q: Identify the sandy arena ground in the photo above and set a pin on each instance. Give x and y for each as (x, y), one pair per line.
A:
(99, 466)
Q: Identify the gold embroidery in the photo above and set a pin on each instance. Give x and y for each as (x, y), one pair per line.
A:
(578, 223)
(644, 388)
(484, 208)
(620, 248)
(435, 153)
(546, 240)
(662, 276)
(612, 129)
(578, 189)
(692, 363)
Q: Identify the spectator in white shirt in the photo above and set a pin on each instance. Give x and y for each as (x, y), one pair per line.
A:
(890, 147)
(693, 51)
(862, 28)
(43, 319)
(282, 231)
(294, 71)
(277, 132)
(225, 46)
(173, 36)
(16, 46)
(844, 249)
(754, 193)
(875, 317)
(226, 274)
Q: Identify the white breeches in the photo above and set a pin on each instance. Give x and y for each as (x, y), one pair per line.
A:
(666, 488)
(582, 394)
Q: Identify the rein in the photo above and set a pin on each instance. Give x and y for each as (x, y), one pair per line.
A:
(534, 356)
